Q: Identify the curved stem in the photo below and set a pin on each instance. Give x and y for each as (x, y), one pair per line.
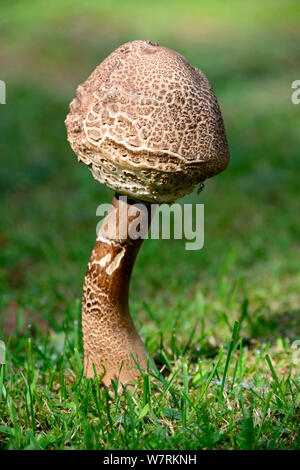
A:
(109, 335)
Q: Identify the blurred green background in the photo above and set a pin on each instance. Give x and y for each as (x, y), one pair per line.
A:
(250, 52)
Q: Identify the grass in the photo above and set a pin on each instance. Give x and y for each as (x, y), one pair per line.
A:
(221, 322)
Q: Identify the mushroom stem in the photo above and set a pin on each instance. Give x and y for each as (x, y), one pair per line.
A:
(109, 335)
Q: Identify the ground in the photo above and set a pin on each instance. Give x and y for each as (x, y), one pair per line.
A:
(218, 384)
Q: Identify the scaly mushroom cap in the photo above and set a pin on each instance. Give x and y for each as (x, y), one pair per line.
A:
(148, 124)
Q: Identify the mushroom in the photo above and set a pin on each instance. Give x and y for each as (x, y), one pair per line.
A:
(148, 125)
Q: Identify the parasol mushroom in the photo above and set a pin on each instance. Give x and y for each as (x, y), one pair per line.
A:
(148, 125)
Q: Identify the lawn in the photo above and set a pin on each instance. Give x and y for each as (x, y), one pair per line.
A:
(222, 322)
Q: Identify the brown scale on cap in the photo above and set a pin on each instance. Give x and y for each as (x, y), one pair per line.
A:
(148, 125)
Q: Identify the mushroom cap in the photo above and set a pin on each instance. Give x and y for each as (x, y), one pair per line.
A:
(148, 124)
